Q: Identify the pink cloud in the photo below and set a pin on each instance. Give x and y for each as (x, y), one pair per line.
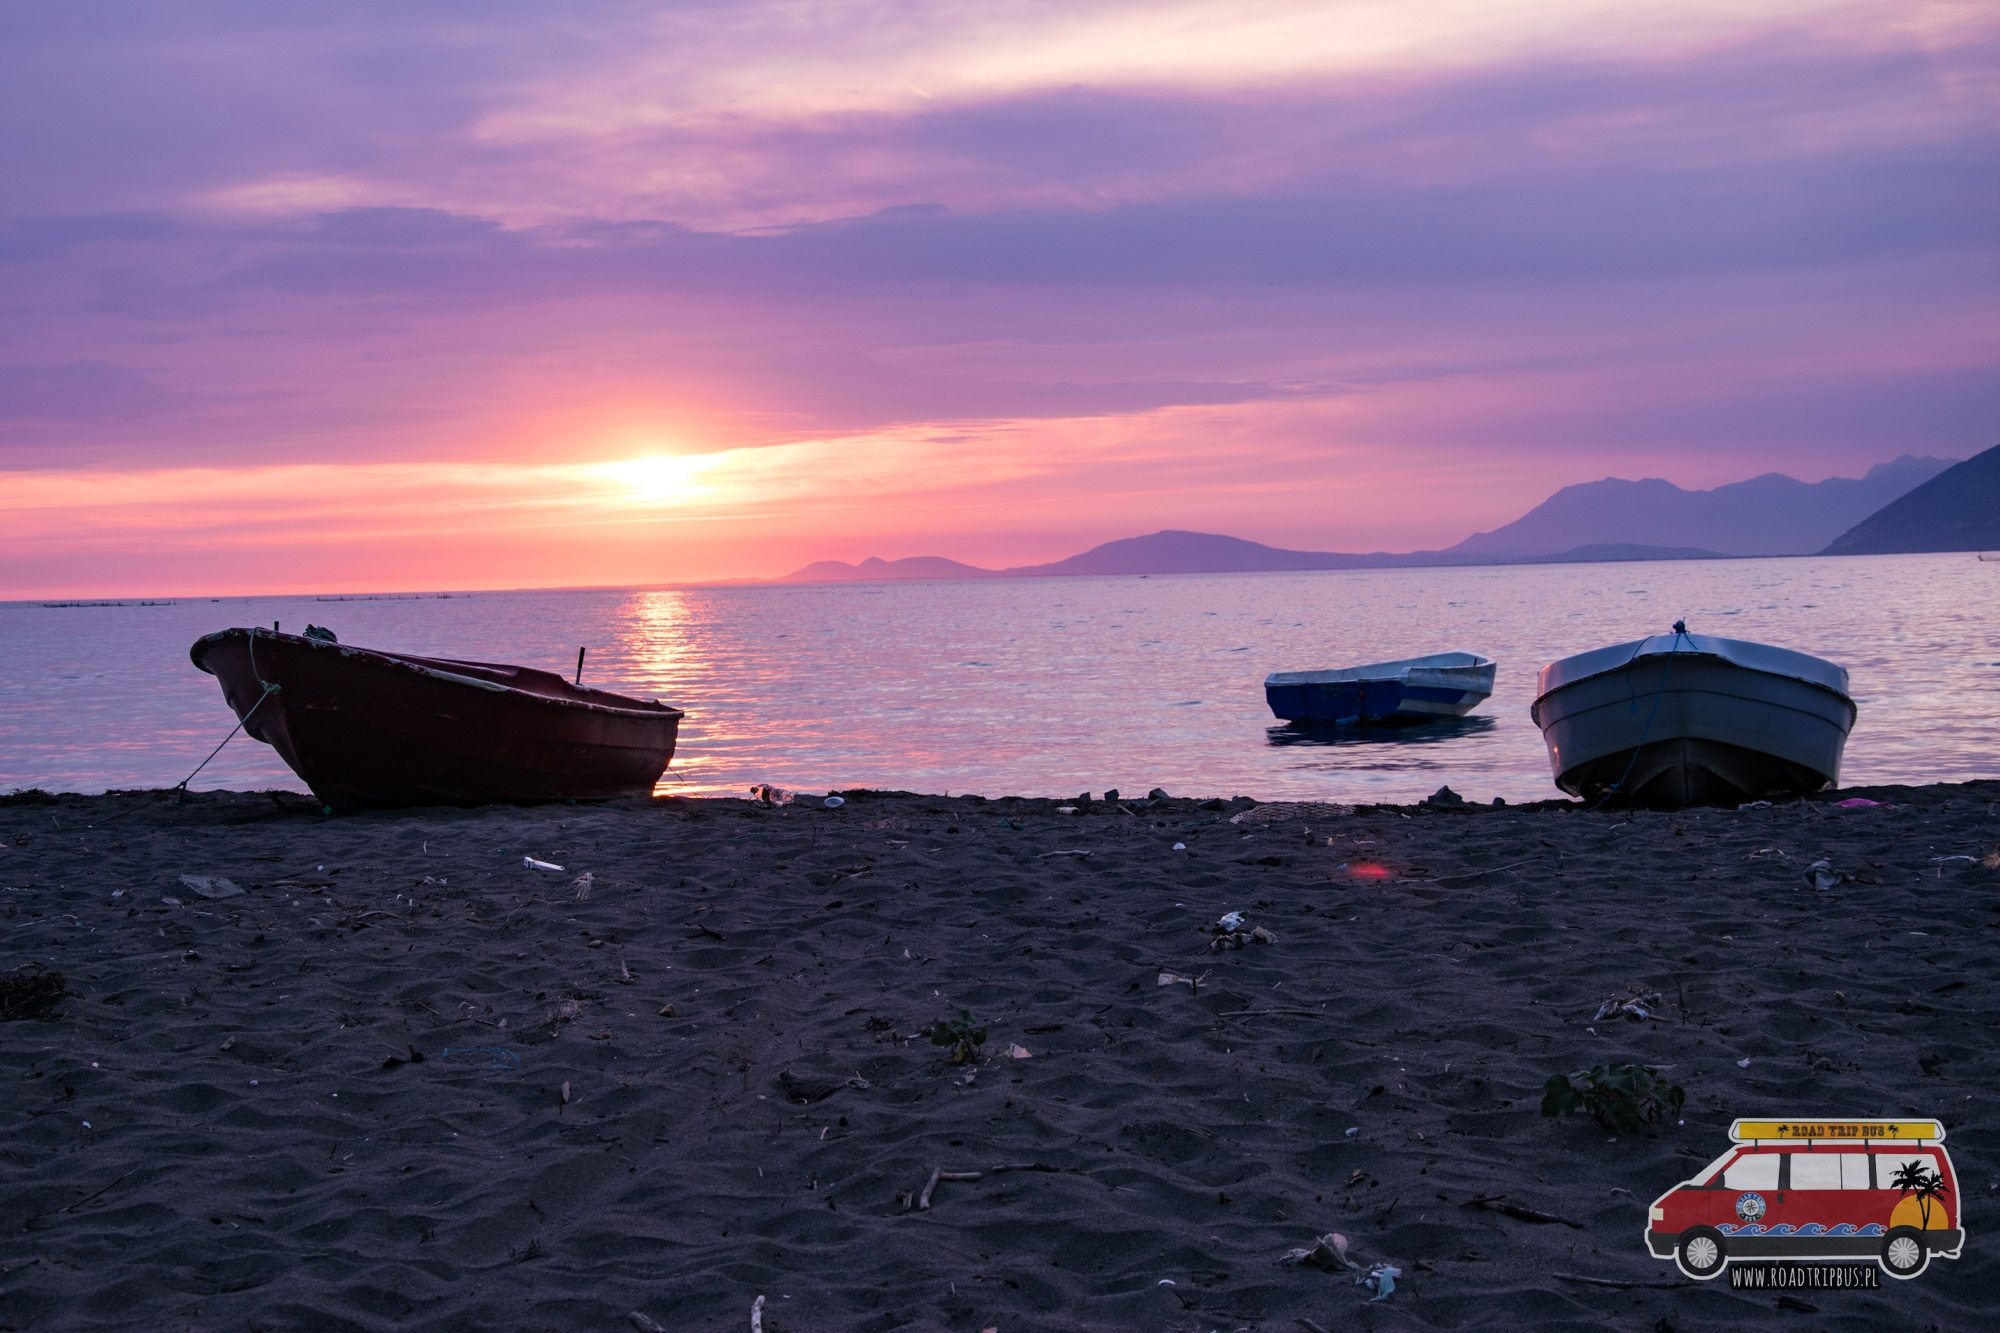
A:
(1368, 278)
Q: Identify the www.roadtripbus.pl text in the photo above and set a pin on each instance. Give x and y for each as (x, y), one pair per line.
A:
(1803, 1277)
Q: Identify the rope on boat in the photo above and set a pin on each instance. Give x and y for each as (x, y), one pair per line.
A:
(269, 690)
(1666, 678)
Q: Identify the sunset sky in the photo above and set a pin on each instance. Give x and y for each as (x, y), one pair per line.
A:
(500, 293)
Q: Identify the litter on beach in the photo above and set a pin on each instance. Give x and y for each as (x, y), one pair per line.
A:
(1632, 1004)
(1328, 1252)
(1239, 938)
(1381, 1279)
(489, 1057)
(546, 867)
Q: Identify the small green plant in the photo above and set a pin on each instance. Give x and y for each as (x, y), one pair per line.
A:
(1621, 1097)
(960, 1035)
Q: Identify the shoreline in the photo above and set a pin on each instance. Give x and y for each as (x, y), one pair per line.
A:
(397, 1078)
(1363, 563)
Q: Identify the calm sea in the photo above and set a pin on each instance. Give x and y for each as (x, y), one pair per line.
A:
(1047, 687)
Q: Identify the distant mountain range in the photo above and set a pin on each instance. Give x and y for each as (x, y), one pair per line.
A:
(1173, 552)
(1611, 519)
(1768, 515)
(875, 567)
(1957, 510)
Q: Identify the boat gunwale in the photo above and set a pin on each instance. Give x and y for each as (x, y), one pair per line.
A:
(1394, 669)
(1853, 709)
(1641, 650)
(436, 669)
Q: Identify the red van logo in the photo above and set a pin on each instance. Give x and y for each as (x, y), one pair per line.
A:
(1815, 1189)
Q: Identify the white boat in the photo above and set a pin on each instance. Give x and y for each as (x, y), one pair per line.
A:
(1686, 719)
(1411, 689)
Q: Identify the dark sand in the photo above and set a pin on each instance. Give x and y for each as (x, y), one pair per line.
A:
(707, 1081)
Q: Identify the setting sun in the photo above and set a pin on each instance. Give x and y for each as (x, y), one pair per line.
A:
(660, 479)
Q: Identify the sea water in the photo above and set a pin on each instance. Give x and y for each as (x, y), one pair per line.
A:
(1047, 687)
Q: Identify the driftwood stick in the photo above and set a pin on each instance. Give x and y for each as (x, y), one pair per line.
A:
(34, 1221)
(644, 1323)
(94, 1193)
(938, 1174)
(1612, 1282)
(1498, 1203)
(1489, 870)
(1273, 1013)
(931, 1185)
(921, 1199)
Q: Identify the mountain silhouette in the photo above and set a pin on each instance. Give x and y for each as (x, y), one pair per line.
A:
(1609, 520)
(1768, 515)
(1177, 552)
(1957, 510)
(874, 567)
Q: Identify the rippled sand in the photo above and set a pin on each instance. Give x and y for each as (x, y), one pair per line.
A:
(402, 1080)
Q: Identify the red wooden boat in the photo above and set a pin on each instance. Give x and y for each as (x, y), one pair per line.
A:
(370, 728)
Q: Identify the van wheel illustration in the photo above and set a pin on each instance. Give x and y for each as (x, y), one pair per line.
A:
(1904, 1253)
(1700, 1254)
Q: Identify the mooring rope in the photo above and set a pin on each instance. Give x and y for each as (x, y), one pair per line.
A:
(269, 690)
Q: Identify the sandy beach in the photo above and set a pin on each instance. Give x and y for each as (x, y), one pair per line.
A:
(375, 1071)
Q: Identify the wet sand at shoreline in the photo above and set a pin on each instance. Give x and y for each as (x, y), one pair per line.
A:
(400, 1079)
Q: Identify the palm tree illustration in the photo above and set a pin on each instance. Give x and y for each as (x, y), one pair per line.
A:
(1924, 1182)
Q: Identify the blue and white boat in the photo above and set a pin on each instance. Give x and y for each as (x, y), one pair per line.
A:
(1411, 689)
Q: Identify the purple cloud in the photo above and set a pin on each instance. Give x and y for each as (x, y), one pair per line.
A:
(1587, 255)
(77, 391)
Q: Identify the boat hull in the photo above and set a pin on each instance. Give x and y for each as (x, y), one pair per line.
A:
(1670, 728)
(1444, 685)
(370, 729)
